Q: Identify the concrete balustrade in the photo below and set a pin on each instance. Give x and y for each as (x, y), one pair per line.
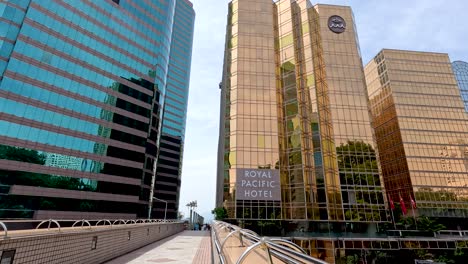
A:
(80, 244)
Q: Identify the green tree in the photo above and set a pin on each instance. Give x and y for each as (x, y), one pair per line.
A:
(15, 209)
(86, 206)
(220, 213)
(428, 194)
(427, 224)
(265, 225)
(21, 154)
(353, 155)
(354, 259)
(423, 223)
(357, 162)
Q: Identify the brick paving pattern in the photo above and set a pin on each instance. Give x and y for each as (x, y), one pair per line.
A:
(184, 248)
(203, 255)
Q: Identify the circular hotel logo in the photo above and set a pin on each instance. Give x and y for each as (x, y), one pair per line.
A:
(337, 24)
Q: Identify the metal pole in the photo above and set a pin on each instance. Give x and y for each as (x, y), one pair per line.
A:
(153, 179)
(414, 217)
(165, 211)
(191, 224)
(195, 214)
(164, 201)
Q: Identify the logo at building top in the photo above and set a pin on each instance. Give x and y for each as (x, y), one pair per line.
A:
(337, 24)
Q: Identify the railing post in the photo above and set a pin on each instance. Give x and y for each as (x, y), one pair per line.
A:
(264, 246)
(49, 222)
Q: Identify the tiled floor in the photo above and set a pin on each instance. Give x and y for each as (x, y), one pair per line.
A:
(204, 252)
(183, 248)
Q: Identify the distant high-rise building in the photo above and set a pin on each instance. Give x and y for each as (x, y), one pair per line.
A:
(422, 130)
(460, 68)
(83, 93)
(168, 175)
(296, 141)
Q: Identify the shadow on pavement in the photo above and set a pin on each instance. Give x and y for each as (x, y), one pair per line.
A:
(140, 251)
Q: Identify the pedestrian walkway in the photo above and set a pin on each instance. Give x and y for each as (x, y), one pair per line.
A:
(183, 248)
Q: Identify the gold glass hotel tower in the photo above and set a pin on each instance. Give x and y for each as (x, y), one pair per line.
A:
(422, 130)
(295, 139)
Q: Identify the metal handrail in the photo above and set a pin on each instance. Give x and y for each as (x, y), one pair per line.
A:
(302, 256)
(65, 225)
(278, 249)
(460, 233)
(131, 221)
(289, 244)
(228, 236)
(82, 221)
(50, 221)
(5, 229)
(118, 221)
(104, 221)
(250, 250)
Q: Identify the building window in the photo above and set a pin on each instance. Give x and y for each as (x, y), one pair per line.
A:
(7, 256)
(94, 243)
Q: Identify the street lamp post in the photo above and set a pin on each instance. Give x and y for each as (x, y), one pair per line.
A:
(165, 210)
(153, 181)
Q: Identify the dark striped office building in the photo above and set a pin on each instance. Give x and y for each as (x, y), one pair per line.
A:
(175, 112)
(84, 92)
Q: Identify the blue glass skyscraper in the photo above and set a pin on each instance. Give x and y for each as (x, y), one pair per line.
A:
(82, 94)
(460, 68)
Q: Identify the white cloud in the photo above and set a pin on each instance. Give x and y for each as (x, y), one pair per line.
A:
(424, 25)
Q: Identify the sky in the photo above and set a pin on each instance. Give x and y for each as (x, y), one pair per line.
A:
(422, 25)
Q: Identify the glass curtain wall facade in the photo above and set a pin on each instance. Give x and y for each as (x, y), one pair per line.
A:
(422, 129)
(169, 169)
(460, 68)
(347, 140)
(81, 96)
(293, 99)
(251, 124)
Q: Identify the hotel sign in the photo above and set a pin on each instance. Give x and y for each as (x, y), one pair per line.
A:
(337, 24)
(258, 185)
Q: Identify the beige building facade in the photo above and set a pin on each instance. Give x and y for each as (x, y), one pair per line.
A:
(422, 130)
(294, 103)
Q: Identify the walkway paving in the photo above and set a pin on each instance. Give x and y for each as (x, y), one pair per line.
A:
(183, 248)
